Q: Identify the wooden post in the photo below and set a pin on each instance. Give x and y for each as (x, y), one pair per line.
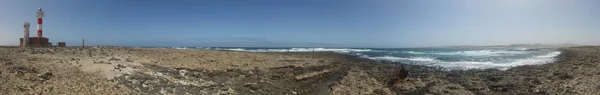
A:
(82, 42)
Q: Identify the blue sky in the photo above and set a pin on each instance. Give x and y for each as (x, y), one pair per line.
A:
(306, 23)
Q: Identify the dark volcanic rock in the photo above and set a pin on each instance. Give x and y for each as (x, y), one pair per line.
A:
(46, 76)
(495, 78)
(253, 86)
(500, 87)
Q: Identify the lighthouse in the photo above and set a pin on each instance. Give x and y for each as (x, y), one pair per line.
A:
(40, 15)
(38, 41)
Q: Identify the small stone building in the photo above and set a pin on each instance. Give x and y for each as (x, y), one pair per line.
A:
(62, 44)
(34, 41)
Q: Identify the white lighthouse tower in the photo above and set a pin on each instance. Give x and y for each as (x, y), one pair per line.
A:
(26, 36)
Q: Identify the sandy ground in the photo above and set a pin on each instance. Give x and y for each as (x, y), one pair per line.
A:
(35, 71)
(122, 70)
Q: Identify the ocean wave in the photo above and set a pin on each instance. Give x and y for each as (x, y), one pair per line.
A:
(179, 47)
(465, 65)
(391, 58)
(360, 54)
(202, 47)
(483, 58)
(234, 49)
(471, 53)
(341, 50)
(519, 49)
(536, 60)
(481, 53)
(413, 52)
(524, 49)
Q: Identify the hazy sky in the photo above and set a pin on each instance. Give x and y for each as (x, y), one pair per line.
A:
(306, 23)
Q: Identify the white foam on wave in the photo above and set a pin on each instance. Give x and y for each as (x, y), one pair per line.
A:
(234, 49)
(536, 60)
(472, 53)
(361, 54)
(342, 50)
(521, 49)
(414, 52)
(465, 65)
(179, 47)
(202, 47)
(481, 53)
(391, 58)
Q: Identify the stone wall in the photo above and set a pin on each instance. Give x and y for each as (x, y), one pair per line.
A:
(34, 41)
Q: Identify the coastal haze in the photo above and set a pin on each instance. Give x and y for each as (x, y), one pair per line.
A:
(308, 47)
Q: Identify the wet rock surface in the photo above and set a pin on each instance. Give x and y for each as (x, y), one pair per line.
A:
(573, 73)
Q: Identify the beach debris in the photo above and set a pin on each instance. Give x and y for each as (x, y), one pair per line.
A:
(182, 72)
(311, 74)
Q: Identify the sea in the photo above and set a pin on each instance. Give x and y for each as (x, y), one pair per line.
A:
(448, 58)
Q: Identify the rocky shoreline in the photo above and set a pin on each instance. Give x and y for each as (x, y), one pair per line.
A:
(575, 72)
(124, 70)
